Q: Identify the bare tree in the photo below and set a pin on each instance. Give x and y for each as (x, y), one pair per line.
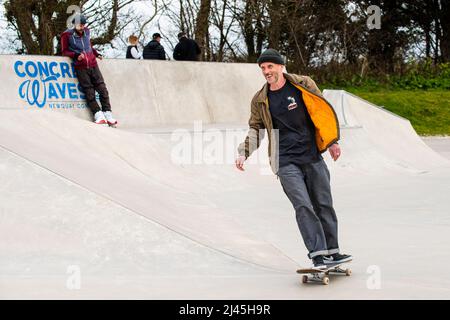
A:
(39, 22)
(222, 18)
(252, 17)
(201, 28)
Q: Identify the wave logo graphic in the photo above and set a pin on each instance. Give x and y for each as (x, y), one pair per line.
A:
(35, 91)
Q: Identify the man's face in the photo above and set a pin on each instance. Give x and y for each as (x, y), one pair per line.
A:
(80, 27)
(271, 71)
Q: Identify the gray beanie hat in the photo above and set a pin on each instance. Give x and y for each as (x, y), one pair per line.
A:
(79, 19)
(270, 55)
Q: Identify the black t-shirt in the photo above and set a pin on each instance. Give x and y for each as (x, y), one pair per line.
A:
(297, 142)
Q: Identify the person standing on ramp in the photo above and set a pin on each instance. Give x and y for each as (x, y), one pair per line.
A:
(76, 44)
(292, 107)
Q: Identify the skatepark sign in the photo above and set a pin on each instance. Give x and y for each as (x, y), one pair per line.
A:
(48, 83)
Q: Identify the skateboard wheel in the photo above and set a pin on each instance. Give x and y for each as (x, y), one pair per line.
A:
(348, 272)
(326, 280)
(305, 279)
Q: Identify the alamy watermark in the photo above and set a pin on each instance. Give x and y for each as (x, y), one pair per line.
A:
(374, 280)
(75, 12)
(374, 17)
(215, 146)
(73, 281)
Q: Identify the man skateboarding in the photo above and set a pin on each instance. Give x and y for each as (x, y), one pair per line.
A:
(307, 126)
(76, 43)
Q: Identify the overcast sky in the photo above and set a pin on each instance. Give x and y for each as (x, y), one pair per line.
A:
(6, 36)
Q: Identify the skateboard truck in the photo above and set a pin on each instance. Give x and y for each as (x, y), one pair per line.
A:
(317, 275)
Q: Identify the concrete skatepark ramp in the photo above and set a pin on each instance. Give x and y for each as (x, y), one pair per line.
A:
(156, 209)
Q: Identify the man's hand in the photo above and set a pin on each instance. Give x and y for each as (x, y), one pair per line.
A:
(240, 162)
(100, 57)
(81, 57)
(335, 151)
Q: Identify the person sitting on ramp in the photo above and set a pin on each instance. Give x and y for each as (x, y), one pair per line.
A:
(293, 107)
(76, 44)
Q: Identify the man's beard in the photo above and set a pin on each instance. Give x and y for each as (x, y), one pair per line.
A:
(274, 78)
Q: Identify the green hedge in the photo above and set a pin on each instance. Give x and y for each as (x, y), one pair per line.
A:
(428, 110)
(424, 75)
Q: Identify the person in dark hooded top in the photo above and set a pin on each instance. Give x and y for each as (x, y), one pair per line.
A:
(154, 50)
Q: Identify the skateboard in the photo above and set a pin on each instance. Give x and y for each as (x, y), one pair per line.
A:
(317, 275)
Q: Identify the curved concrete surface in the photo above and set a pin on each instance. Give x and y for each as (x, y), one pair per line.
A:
(118, 205)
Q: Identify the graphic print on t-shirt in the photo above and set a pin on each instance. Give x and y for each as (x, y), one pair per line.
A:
(292, 104)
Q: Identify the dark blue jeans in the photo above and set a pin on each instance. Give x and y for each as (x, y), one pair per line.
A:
(308, 188)
(91, 80)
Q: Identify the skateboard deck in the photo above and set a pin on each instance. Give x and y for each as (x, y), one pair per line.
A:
(322, 275)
